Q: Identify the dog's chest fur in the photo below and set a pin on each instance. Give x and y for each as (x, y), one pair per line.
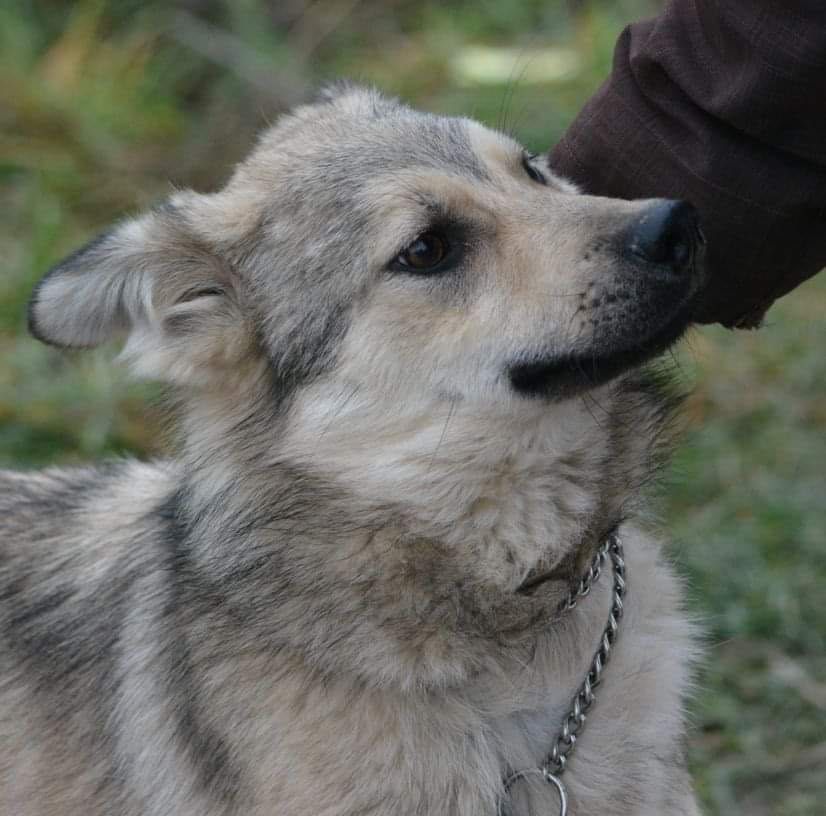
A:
(343, 749)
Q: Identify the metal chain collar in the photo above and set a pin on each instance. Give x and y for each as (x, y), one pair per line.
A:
(554, 763)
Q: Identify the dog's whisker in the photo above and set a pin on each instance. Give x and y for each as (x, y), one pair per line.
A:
(450, 413)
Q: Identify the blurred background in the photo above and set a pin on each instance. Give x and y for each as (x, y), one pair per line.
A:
(105, 107)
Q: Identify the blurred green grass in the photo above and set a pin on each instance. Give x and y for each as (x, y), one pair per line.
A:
(107, 106)
(746, 507)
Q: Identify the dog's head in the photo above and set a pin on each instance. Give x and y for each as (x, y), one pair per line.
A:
(402, 253)
(390, 321)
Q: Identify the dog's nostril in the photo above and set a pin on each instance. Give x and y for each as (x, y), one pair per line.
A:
(665, 234)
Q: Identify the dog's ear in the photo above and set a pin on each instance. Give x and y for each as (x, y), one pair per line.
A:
(156, 279)
(362, 100)
(336, 89)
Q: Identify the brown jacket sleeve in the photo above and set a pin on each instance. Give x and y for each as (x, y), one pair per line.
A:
(721, 103)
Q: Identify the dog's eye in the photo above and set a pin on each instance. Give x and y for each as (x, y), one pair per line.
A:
(532, 172)
(424, 254)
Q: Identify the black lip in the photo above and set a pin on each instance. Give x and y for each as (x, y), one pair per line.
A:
(572, 374)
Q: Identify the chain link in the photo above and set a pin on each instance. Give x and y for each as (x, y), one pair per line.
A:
(554, 763)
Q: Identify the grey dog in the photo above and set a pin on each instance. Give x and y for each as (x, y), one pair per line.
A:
(412, 374)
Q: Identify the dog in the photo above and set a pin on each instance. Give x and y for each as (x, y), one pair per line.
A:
(413, 375)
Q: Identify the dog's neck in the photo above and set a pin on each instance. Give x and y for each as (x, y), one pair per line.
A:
(430, 516)
(519, 487)
(518, 484)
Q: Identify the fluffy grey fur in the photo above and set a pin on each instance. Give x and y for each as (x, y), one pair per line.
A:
(317, 606)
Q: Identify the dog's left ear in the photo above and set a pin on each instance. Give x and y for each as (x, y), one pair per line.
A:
(155, 278)
(338, 88)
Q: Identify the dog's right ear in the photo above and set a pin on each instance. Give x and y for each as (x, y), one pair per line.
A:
(158, 280)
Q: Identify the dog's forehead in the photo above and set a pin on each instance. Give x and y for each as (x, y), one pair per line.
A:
(345, 161)
(350, 143)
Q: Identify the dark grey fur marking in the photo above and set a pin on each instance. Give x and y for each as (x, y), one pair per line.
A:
(218, 772)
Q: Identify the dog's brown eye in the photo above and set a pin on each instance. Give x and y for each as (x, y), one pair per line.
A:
(424, 254)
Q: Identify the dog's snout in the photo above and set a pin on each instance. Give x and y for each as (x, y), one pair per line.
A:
(665, 234)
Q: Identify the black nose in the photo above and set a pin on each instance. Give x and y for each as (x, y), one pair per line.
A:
(666, 234)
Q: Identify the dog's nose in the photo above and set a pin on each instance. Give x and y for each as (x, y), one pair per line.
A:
(666, 234)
